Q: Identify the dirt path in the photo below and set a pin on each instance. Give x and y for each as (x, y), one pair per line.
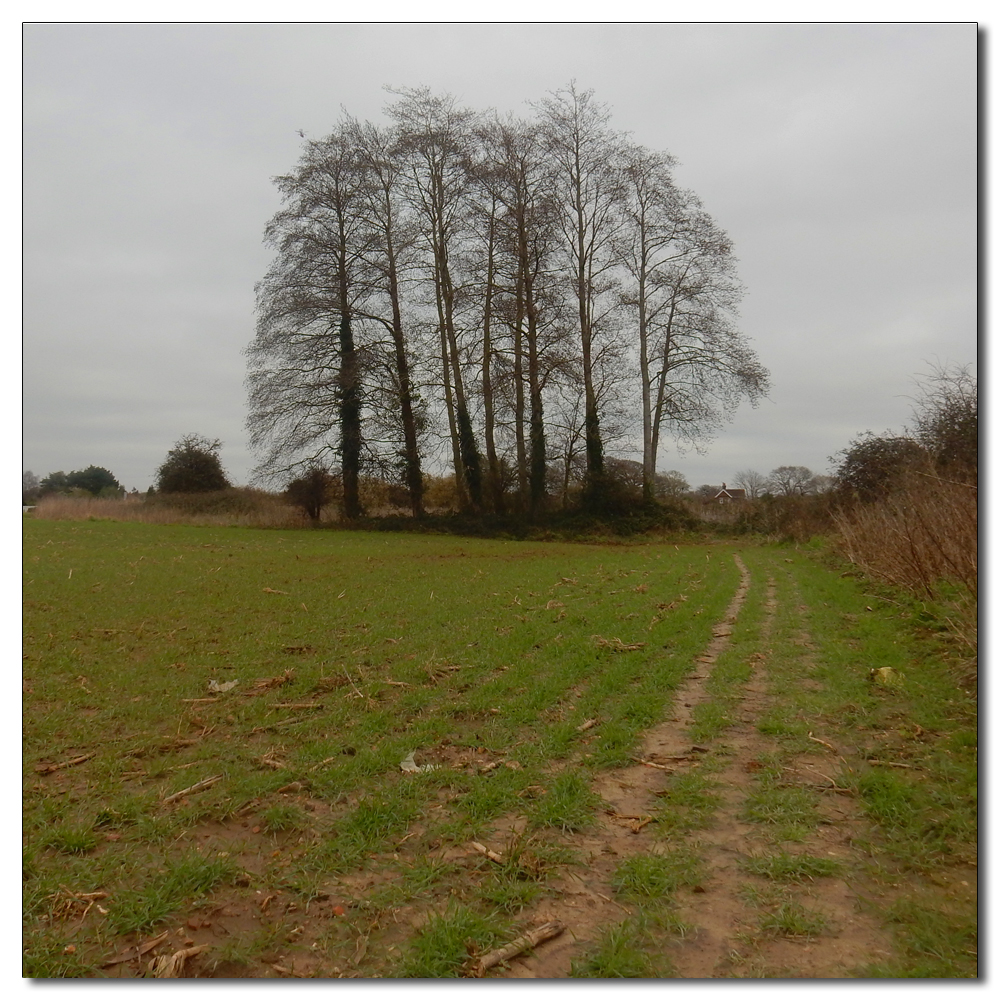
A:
(726, 909)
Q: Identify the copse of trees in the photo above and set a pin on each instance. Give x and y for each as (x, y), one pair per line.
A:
(514, 294)
(93, 481)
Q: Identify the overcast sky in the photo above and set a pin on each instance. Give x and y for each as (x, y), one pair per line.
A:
(840, 158)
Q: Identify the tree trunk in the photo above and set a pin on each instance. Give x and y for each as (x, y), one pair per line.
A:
(648, 454)
(350, 416)
(537, 431)
(520, 446)
(411, 453)
(494, 484)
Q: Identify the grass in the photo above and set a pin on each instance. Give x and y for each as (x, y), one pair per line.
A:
(72, 839)
(143, 907)
(689, 801)
(353, 650)
(442, 949)
(789, 812)
(657, 875)
(520, 877)
(402, 644)
(921, 798)
(281, 818)
(792, 919)
(621, 953)
(568, 804)
(782, 867)
(936, 942)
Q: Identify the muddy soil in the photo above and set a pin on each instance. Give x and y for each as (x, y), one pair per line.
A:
(726, 942)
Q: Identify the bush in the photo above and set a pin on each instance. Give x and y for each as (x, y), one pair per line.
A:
(872, 465)
(947, 419)
(312, 491)
(192, 466)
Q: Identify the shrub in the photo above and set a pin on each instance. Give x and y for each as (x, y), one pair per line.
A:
(192, 466)
(312, 491)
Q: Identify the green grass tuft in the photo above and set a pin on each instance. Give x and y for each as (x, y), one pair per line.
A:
(192, 876)
(282, 818)
(621, 953)
(657, 875)
(568, 805)
(447, 943)
(792, 919)
(782, 867)
(72, 839)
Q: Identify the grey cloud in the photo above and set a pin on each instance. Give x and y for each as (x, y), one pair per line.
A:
(840, 158)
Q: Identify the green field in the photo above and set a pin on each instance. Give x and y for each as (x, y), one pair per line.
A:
(522, 672)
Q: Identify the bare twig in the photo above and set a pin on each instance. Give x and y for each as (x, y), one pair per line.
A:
(198, 786)
(832, 781)
(616, 645)
(817, 740)
(49, 768)
(492, 855)
(659, 767)
(136, 951)
(281, 970)
(521, 944)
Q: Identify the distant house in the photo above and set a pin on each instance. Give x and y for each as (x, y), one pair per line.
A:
(727, 495)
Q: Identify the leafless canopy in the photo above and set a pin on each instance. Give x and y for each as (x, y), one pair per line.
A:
(516, 294)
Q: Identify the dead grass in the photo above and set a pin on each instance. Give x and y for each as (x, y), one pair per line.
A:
(924, 534)
(924, 538)
(242, 508)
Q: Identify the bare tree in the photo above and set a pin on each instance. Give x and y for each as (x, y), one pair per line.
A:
(435, 135)
(946, 414)
(791, 480)
(388, 253)
(305, 379)
(517, 176)
(651, 237)
(587, 183)
(754, 483)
